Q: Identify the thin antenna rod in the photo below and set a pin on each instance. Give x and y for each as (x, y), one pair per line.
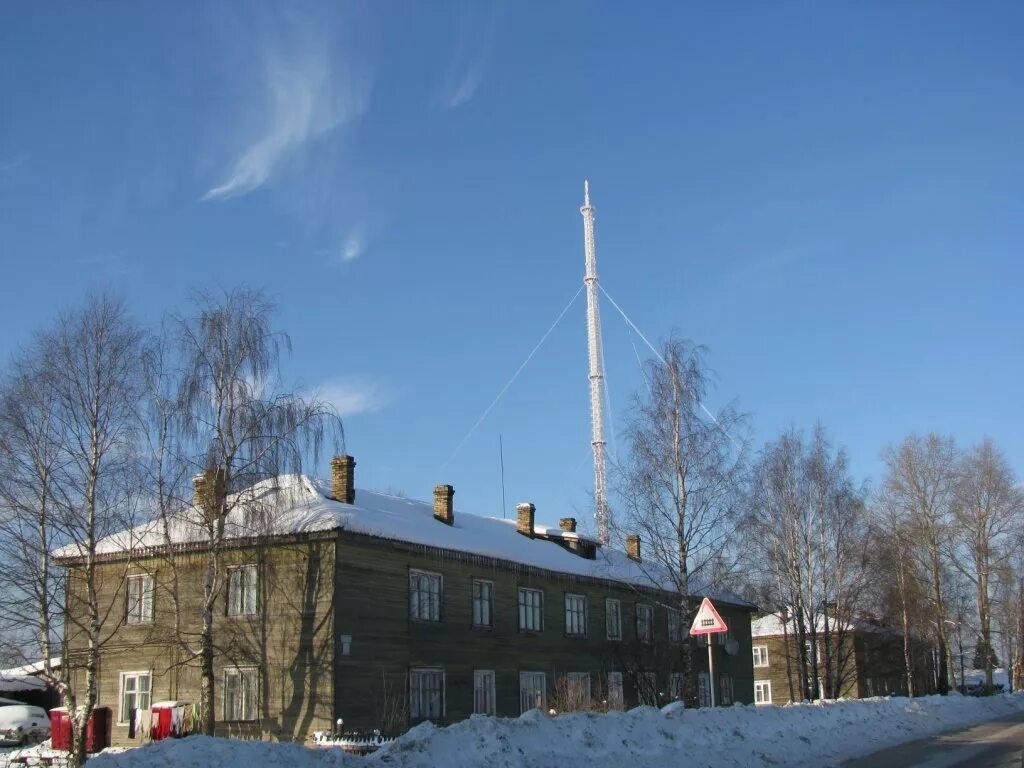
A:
(501, 458)
(596, 373)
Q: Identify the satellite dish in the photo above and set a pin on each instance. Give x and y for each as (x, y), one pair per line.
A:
(731, 646)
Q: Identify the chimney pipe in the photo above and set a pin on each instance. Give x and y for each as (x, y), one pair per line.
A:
(524, 519)
(633, 547)
(568, 524)
(343, 479)
(443, 510)
(208, 492)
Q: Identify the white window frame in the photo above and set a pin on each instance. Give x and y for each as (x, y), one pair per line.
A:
(246, 697)
(675, 626)
(703, 690)
(616, 695)
(613, 618)
(675, 686)
(531, 684)
(484, 692)
(417, 693)
(647, 688)
(725, 690)
(762, 692)
(139, 607)
(645, 621)
(426, 593)
(483, 603)
(576, 615)
(243, 590)
(760, 655)
(531, 609)
(577, 690)
(142, 699)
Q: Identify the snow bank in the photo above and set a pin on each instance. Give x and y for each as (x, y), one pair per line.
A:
(811, 734)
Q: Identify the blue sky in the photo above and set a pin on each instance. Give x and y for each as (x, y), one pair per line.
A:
(827, 195)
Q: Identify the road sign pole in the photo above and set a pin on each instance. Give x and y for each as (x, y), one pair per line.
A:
(711, 671)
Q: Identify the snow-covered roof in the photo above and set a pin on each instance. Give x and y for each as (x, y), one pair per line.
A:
(771, 625)
(25, 678)
(296, 504)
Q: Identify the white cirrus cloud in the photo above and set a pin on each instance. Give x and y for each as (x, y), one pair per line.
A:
(471, 59)
(306, 91)
(353, 247)
(355, 394)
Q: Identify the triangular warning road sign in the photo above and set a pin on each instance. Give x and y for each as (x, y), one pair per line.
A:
(707, 621)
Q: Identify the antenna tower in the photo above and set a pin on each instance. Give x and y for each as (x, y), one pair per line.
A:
(596, 356)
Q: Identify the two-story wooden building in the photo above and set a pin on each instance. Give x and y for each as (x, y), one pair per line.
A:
(384, 611)
(866, 660)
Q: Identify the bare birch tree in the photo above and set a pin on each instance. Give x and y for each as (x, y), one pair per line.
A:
(920, 488)
(70, 449)
(681, 487)
(806, 525)
(988, 509)
(238, 426)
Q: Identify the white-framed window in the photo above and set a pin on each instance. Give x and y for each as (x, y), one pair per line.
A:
(531, 610)
(424, 596)
(647, 688)
(760, 655)
(613, 619)
(675, 626)
(136, 689)
(762, 692)
(577, 690)
(533, 691)
(483, 603)
(644, 622)
(575, 615)
(483, 692)
(426, 694)
(724, 637)
(809, 648)
(703, 690)
(725, 689)
(241, 686)
(139, 609)
(675, 686)
(242, 588)
(616, 698)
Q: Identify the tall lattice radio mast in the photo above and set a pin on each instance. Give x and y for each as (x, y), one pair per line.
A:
(596, 355)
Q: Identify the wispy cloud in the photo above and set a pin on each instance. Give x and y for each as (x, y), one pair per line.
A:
(352, 395)
(470, 62)
(353, 247)
(10, 167)
(306, 92)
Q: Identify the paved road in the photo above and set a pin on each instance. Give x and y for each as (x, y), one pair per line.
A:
(998, 744)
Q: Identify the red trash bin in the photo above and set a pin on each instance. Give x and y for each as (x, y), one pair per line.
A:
(97, 730)
(60, 729)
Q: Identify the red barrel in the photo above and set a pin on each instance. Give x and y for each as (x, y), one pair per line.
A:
(97, 730)
(60, 729)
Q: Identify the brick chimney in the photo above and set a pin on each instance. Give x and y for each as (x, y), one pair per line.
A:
(343, 479)
(568, 524)
(633, 547)
(208, 492)
(443, 510)
(524, 519)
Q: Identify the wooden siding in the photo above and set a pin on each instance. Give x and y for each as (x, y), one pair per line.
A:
(289, 640)
(371, 684)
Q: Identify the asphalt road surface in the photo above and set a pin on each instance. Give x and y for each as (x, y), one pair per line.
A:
(997, 744)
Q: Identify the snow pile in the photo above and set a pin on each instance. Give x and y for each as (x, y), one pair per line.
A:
(810, 734)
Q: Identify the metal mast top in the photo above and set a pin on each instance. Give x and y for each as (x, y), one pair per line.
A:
(596, 356)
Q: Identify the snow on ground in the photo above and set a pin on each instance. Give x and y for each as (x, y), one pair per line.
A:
(808, 734)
